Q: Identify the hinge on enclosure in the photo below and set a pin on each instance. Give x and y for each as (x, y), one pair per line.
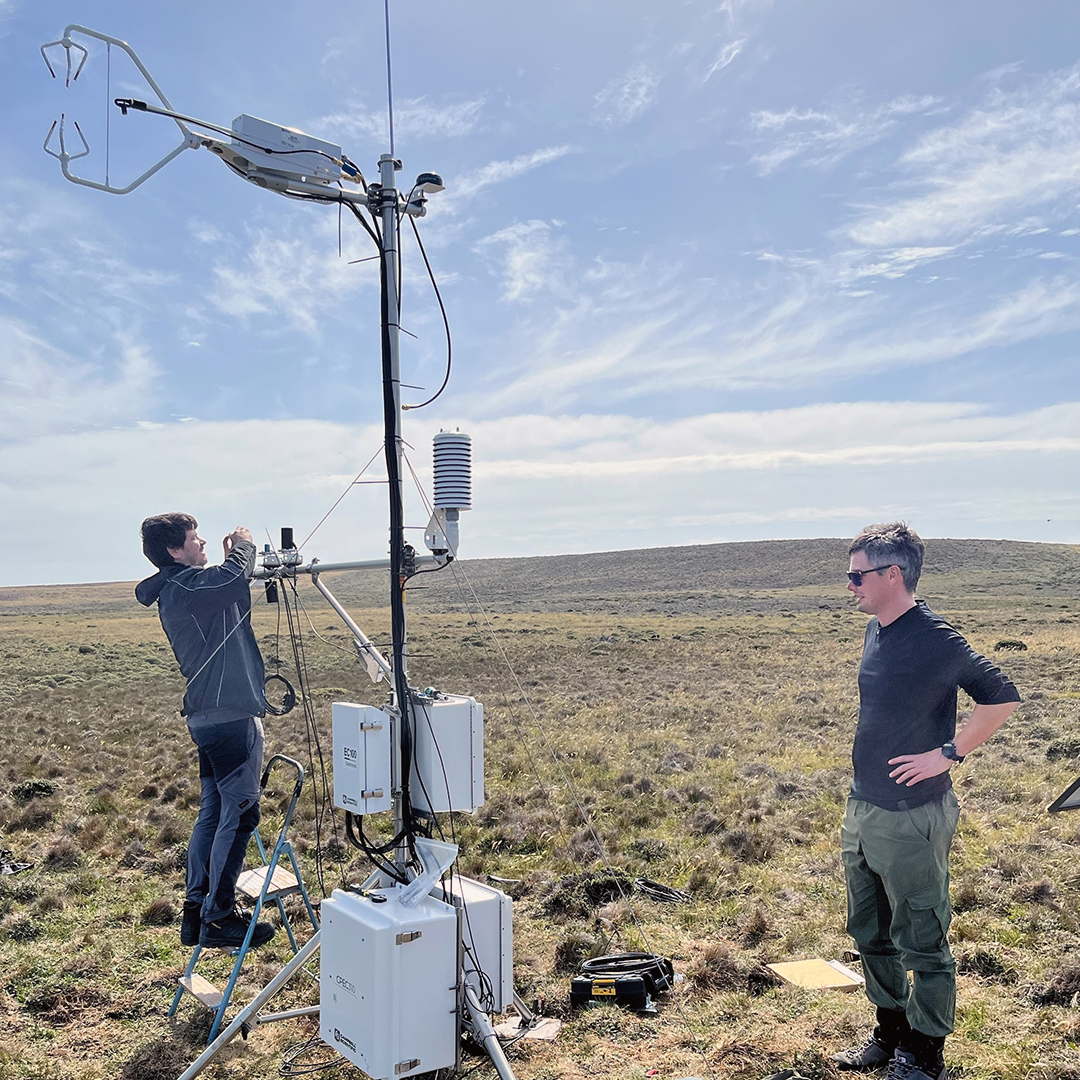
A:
(372, 793)
(406, 1066)
(371, 727)
(409, 935)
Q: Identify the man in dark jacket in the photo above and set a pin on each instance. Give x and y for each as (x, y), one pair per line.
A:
(206, 614)
(902, 813)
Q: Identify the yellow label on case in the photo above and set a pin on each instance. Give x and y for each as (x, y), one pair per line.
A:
(603, 991)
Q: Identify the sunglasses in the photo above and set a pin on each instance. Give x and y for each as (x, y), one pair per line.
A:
(856, 576)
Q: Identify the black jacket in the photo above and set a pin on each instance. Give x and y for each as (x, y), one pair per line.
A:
(206, 615)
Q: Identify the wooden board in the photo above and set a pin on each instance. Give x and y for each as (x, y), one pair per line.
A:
(250, 882)
(205, 991)
(819, 975)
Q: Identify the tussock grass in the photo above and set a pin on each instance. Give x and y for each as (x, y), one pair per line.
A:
(701, 702)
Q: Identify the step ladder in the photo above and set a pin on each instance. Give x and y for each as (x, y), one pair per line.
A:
(272, 881)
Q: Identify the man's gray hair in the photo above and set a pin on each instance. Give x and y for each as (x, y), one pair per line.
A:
(892, 544)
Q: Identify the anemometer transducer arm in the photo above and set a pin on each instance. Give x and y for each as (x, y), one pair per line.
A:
(189, 141)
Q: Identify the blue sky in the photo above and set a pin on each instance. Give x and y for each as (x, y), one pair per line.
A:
(714, 272)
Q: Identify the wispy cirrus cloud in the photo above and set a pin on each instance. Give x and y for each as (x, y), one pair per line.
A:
(47, 390)
(625, 98)
(1015, 154)
(821, 138)
(725, 57)
(531, 257)
(412, 117)
(284, 273)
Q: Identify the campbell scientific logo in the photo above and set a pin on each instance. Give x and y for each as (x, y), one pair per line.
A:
(338, 1037)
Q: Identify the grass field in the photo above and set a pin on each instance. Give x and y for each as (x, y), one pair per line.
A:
(699, 701)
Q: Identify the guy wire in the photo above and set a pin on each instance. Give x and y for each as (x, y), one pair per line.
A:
(352, 484)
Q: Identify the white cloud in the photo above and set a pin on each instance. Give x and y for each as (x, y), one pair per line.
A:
(626, 97)
(725, 57)
(498, 172)
(287, 274)
(412, 117)
(822, 138)
(647, 343)
(460, 189)
(1016, 153)
(532, 258)
(45, 390)
(602, 480)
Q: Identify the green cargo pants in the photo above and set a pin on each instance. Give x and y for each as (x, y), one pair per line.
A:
(897, 867)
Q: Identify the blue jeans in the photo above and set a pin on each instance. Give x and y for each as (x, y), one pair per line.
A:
(230, 767)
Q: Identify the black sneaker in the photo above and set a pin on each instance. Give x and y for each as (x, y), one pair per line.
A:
(871, 1054)
(229, 932)
(191, 923)
(903, 1067)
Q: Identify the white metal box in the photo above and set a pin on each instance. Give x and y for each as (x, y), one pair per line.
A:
(315, 164)
(448, 754)
(487, 930)
(361, 735)
(387, 983)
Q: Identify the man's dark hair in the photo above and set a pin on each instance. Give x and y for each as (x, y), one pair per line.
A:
(892, 544)
(164, 531)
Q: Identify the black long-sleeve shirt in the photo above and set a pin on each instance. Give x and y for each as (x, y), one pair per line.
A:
(907, 701)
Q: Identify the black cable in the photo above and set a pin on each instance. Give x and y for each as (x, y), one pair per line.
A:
(402, 696)
(288, 702)
(374, 852)
(656, 890)
(658, 967)
(446, 321)
(373, 233)
(324, 800)
(290, 1066)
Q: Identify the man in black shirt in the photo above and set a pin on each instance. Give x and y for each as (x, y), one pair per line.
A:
(902, 812)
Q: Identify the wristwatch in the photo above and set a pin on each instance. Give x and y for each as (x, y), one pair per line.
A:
(949, 750)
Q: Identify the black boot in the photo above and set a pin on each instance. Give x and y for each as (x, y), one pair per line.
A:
(191, 923)
(928, 1054)
(878, 1047)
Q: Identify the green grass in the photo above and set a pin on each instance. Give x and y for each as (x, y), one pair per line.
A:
(700, 701)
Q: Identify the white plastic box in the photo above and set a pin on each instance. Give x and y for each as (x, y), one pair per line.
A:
(487, 929)
(361, 735)
(448, 755)
(314, 164)
(387, 983)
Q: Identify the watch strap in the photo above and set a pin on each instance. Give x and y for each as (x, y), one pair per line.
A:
(949, 750)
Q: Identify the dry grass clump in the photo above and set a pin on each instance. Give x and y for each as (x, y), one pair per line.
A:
(1062, 989)
(159, 912)
(579, 894)
(574, 948)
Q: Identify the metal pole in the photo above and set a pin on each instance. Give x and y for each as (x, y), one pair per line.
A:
(245, 1014)
(361, 638)
(481, 1025)
(388, 207)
